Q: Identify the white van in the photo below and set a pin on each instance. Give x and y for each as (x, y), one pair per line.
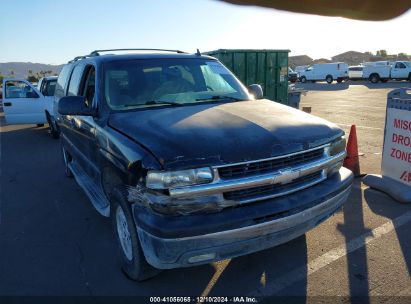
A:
(325, 71)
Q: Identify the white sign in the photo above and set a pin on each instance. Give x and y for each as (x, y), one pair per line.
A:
(396, 158)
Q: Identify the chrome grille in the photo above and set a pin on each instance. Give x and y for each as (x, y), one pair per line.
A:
(272, 190)
(271, 165)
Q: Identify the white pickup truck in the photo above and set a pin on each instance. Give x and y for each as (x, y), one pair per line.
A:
(398, 70)
(24, 103)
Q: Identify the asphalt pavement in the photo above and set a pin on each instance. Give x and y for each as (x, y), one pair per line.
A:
(52, 241)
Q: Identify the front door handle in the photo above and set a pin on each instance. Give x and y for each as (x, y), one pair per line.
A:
(7, 104)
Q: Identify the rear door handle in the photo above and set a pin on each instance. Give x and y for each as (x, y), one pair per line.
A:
(7, 104)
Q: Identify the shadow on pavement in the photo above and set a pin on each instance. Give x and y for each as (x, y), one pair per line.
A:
(391, 209)
(352, 228)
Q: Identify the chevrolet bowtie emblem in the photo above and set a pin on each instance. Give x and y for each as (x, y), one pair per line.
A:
(285, 176)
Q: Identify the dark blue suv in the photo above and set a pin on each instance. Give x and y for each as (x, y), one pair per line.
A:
(191, 165)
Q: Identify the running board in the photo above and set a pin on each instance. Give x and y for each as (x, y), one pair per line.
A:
(93, 191)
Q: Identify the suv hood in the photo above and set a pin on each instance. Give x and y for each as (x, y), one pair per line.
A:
(223, 133)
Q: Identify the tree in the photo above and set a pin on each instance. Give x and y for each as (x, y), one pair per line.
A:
(382, 53)
(11, 73)
(32, 78)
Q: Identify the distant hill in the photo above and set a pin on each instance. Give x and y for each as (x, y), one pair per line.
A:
(294, 61)
(21, 69)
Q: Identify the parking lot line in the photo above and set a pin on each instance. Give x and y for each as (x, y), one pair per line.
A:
(360, 106)
(363, 127)
(333, 255)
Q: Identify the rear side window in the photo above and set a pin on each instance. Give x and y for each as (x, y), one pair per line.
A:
(62, 81)
(75, 79)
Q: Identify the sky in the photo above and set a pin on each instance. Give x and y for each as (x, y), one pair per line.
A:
(53, 32)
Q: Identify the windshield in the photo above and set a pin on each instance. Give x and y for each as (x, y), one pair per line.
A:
(154, 82)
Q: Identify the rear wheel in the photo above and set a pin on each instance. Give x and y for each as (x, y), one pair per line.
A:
(374, 78)
(303, 79)
(52, 129)
(329, 79)
(339, 80)
(40, 125)
(133, 262)
(409, 77)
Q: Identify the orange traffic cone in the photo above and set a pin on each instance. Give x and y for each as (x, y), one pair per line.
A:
(352, 160)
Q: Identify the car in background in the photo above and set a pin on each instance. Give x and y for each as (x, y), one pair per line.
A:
(24, 103)
(292, 76)
(355, 72)
(325, 71)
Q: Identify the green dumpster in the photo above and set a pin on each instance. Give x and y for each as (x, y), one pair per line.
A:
(269, 68)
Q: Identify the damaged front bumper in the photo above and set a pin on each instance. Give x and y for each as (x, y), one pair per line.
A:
(181, 241)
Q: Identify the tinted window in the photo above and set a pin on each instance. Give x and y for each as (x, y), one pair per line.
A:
(75, 80)
(48, 87)
(89, 86)
(62, 81)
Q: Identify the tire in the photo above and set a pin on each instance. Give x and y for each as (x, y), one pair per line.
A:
(40, 125)
(339, 80)
(329, 79)
(54, 133)
(66, 160)
(303, 79)
(374, 78)
(409, 77)
(133, 262)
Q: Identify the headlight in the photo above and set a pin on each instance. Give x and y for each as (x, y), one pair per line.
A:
(337, 146)
(173, 179)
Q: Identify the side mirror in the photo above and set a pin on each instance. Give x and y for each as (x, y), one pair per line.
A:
(256, 90)
(75, 105)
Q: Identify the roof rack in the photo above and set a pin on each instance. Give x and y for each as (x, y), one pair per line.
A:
(79, 57)
(97, 52)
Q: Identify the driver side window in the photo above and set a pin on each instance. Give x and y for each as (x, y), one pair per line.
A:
(89, 86)
(19, 89)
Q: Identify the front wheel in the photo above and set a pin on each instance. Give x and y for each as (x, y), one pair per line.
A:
(133, 262)
(329, 79)
(303, 79)
(66, 160)
(54, 133)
